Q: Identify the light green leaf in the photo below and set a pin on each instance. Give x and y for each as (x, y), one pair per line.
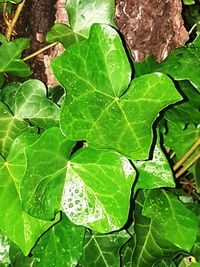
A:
(176, 65)
(46, 162)
(171, 216)
(10, 53)
(188, 2)
(63, 34)
(61, 245)
(10, 128)
(154, 173)
(96, 108)
(103, 250)
(18, 226)
(97, 189)
(30, 102)
(82, 14)
(149, 246)
(4, 250)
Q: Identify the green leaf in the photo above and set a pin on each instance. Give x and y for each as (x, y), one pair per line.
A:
(30, 102)
(188, 2)
(176, 65)
(11, 1)
(10, 129)
(149, 246)
(46, 162)
(197, 175)
(97, 189)
(10, 53)
(63, 34)
(18, 226)
(103, 250)
(171, 217)
(154, 173)
(61, 245)
(4, 250)
(2, 79)
(97, 108)
(165, 263)
(82, 14)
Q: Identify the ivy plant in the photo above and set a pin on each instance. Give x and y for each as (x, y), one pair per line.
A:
(104, 172)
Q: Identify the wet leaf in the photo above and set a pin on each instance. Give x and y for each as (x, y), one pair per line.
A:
(46, 162)
(97, 108)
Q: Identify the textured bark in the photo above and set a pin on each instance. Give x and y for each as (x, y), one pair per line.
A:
(151, 27)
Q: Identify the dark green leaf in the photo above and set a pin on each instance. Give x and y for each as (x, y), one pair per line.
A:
(103, 250)
(61, 245)
(82, 14)
(46, 162)
(154, 173)
(10, 53)
(96, 108)
(2, 79)
(18, 226)
(165, 263)
(97, 189)
(30, 102)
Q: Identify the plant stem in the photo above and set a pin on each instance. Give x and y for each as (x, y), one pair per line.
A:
(181, 171)
(5, 15)
(39, 51)
(187, 155)
(14, 20)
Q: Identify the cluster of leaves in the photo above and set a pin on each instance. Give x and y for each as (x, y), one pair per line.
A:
(114, 201)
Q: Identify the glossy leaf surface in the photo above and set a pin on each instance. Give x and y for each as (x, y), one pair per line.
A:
(28, 101)
(97, 189)
(103, 250)
(96, 108)
(46, 162)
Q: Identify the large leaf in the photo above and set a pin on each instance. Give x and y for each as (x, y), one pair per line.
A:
(97, 189)
(61, 245)
(103, 250)
(10, 53)
(46, 162)
(176, 65)
(82, 14)
(96, 73)
(30, 102)
(165, 263)
(154, 173)
(18, 226)
(10, 128)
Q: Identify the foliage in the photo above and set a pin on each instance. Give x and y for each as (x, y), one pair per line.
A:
(129, 195)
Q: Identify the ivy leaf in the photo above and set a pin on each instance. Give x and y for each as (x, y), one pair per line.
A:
(97, 189)
(154, 173)
(63, 34)
(18, 226)
(97, 108)
(30, 102)
(10, 53)
(10, 129)
(102, 250)
(171, 216)
(46, 162)
(176, 65)
(61, 245)
(82, 14)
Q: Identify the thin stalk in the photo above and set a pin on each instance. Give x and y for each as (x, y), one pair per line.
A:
(39, 51)
(5, 18)
(187, 155)
(193, 27)
(14, 20)
(190, 163)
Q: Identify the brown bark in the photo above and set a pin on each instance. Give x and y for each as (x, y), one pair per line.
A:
(151, 27)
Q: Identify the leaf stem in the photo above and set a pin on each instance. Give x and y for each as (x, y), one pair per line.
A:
(190, 163)
(5, 18)
(39, 51)
(13, 22)
(187, 155)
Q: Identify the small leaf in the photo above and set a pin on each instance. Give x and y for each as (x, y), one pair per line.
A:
(103, 250)
(82, 14)
(10, 53)
(30, 102)
(61, 245)
(188, 2)
(97, 189)
(97, 108)
(154, 173)
(63, 34)
(46, 162)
